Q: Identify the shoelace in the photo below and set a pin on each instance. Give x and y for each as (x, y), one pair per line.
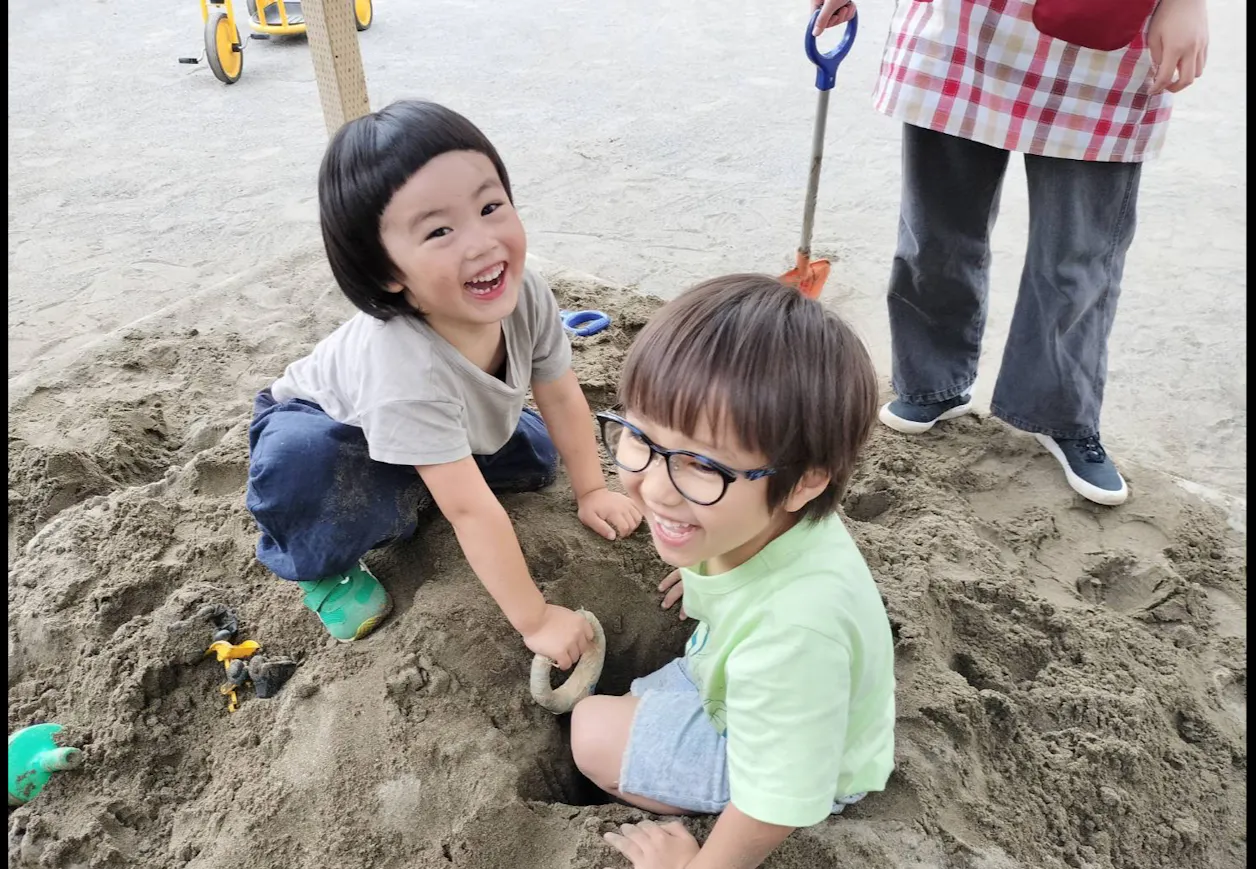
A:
(1091, 450)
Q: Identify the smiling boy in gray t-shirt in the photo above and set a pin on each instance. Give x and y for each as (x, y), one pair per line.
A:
(420, 397)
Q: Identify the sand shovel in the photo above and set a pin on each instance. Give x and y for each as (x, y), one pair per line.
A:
(33, 758)
(809, 275)
(579, 684)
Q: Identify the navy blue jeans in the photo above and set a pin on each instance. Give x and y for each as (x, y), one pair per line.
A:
(321, 502)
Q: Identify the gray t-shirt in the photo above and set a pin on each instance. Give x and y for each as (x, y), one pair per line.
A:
(416, 398)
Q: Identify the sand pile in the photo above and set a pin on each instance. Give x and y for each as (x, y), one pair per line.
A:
(1072, 679)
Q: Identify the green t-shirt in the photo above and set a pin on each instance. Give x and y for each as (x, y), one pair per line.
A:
(795, 663)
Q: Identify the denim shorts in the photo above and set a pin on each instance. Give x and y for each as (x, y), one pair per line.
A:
(675, 755)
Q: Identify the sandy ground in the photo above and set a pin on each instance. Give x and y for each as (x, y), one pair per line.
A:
(1072, 679)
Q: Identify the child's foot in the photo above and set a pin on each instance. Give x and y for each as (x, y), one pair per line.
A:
(1088, 468)
(349, 604)
(917, 418)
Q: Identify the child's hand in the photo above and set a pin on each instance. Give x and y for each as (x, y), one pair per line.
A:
(674, 589)
(562, 636)
(609, 513)
(652, 846)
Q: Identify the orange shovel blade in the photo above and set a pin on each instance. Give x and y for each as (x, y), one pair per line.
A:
(808, 276)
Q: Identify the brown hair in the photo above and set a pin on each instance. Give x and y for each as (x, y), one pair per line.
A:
(752, 355)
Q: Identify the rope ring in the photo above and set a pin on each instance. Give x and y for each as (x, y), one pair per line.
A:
(579, 684)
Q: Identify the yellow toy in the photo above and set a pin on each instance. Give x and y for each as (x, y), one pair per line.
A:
(225, 51)
(226, 652)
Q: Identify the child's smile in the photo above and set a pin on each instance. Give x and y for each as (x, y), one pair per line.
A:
(488, 284)
(673, 533)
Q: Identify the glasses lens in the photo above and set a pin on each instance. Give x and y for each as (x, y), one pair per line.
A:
(625, 447)
(697, 481)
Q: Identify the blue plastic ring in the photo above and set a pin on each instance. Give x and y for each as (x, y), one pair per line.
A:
(584, 323)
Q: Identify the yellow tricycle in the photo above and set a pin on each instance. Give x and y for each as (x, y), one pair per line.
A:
(225, 51)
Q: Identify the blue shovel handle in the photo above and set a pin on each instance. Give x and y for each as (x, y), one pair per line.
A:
(827, 64)
(584, 323)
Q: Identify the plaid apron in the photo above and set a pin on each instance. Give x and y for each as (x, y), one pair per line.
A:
(980, 70)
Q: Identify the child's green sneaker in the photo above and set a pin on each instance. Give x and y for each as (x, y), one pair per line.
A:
(349, 604)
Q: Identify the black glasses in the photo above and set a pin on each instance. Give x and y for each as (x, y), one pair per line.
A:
(699, 479)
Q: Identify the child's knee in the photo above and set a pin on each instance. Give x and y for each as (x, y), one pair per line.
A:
(548, 476)
(298, 457)
(545, 462)
(592, 743)
(541, 445)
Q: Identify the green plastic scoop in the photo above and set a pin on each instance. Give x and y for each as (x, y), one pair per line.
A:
(33, 758)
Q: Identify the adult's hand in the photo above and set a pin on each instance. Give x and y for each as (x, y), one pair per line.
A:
(833, 13)
(1178, 39)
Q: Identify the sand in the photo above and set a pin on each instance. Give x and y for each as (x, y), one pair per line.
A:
(1072, 679)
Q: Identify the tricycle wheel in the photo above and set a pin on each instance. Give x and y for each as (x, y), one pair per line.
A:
(363, 14)
(223, 49)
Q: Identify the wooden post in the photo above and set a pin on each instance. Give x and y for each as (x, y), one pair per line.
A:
(333, 37)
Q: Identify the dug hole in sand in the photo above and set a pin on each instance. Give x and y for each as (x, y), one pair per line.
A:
(1072, 679)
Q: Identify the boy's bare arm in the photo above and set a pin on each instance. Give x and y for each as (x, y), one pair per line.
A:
(488, 540)
(737, 841)
(566, 414)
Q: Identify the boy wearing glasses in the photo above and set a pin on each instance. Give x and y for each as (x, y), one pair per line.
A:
(744, 407)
